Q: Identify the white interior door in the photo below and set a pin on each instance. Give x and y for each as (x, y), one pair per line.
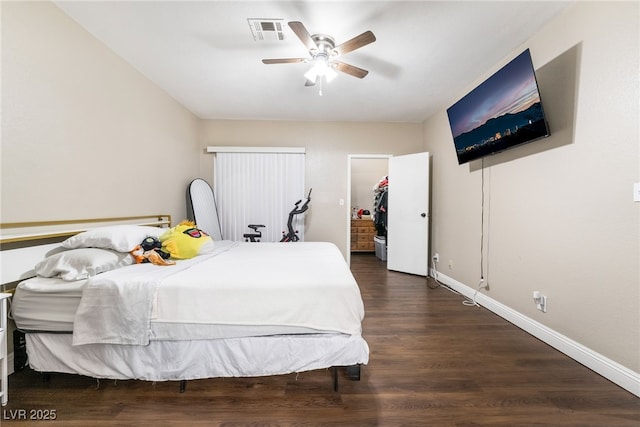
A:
(408, 214)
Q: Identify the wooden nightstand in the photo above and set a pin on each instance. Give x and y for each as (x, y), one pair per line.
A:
(4, 372)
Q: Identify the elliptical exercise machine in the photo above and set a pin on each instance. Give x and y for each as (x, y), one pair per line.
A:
(292, 235)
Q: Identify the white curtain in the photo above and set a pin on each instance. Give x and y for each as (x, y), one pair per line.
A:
(258, 188)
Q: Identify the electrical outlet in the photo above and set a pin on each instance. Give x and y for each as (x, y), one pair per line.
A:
(436, 258)
(450, 264)
(543, 304)
(540, 300)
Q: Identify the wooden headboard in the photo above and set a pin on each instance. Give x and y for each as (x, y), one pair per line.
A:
(23, 244)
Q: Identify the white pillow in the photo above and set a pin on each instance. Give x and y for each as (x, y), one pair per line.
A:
(78, 264)
(121, 238)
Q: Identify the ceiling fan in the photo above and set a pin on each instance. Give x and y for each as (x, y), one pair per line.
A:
(323, 53)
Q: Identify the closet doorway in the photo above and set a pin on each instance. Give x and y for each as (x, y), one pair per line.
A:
(364, 171)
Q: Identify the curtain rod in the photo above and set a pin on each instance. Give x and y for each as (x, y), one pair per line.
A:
(241, 149)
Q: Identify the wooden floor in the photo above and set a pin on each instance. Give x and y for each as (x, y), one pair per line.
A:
(434, 362)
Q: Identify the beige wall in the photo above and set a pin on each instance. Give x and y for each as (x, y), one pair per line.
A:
(365, 174)
(328, 145)
(559, 214)
(84, 135)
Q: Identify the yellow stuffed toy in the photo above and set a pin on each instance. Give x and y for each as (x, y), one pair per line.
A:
(185, 241)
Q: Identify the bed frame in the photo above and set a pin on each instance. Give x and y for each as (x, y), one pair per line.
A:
(23, 244)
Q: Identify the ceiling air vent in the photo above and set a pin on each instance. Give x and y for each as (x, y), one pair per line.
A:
(266, 29)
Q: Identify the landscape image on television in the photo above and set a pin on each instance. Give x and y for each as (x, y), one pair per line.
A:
(504, 111)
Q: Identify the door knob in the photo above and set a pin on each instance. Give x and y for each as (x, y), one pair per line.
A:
(423, 214)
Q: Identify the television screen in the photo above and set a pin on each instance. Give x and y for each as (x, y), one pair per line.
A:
(504, 111)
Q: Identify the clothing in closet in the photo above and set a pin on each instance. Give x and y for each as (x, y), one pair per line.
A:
(380, 207)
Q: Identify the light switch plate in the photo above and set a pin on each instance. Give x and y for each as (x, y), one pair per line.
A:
(636, 192)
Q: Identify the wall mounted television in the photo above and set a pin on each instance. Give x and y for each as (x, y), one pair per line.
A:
(502, 112)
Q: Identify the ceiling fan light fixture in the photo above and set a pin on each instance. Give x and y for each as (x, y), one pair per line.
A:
(330, 74)
(312, 75)
(320, 68)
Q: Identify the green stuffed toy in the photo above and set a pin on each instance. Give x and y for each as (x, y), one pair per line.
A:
(185, 241)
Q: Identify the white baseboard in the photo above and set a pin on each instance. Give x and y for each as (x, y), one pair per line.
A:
(613, 371)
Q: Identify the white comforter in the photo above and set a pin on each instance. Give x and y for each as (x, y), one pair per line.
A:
(304, 284)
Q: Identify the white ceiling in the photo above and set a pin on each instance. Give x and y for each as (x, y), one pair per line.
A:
(204, 55)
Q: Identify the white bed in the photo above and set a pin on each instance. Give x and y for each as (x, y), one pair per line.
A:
(245, 309)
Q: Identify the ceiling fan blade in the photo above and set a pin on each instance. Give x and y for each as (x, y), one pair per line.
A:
(284, 60)
(355, 43)
(350, 69)
(303, 34)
